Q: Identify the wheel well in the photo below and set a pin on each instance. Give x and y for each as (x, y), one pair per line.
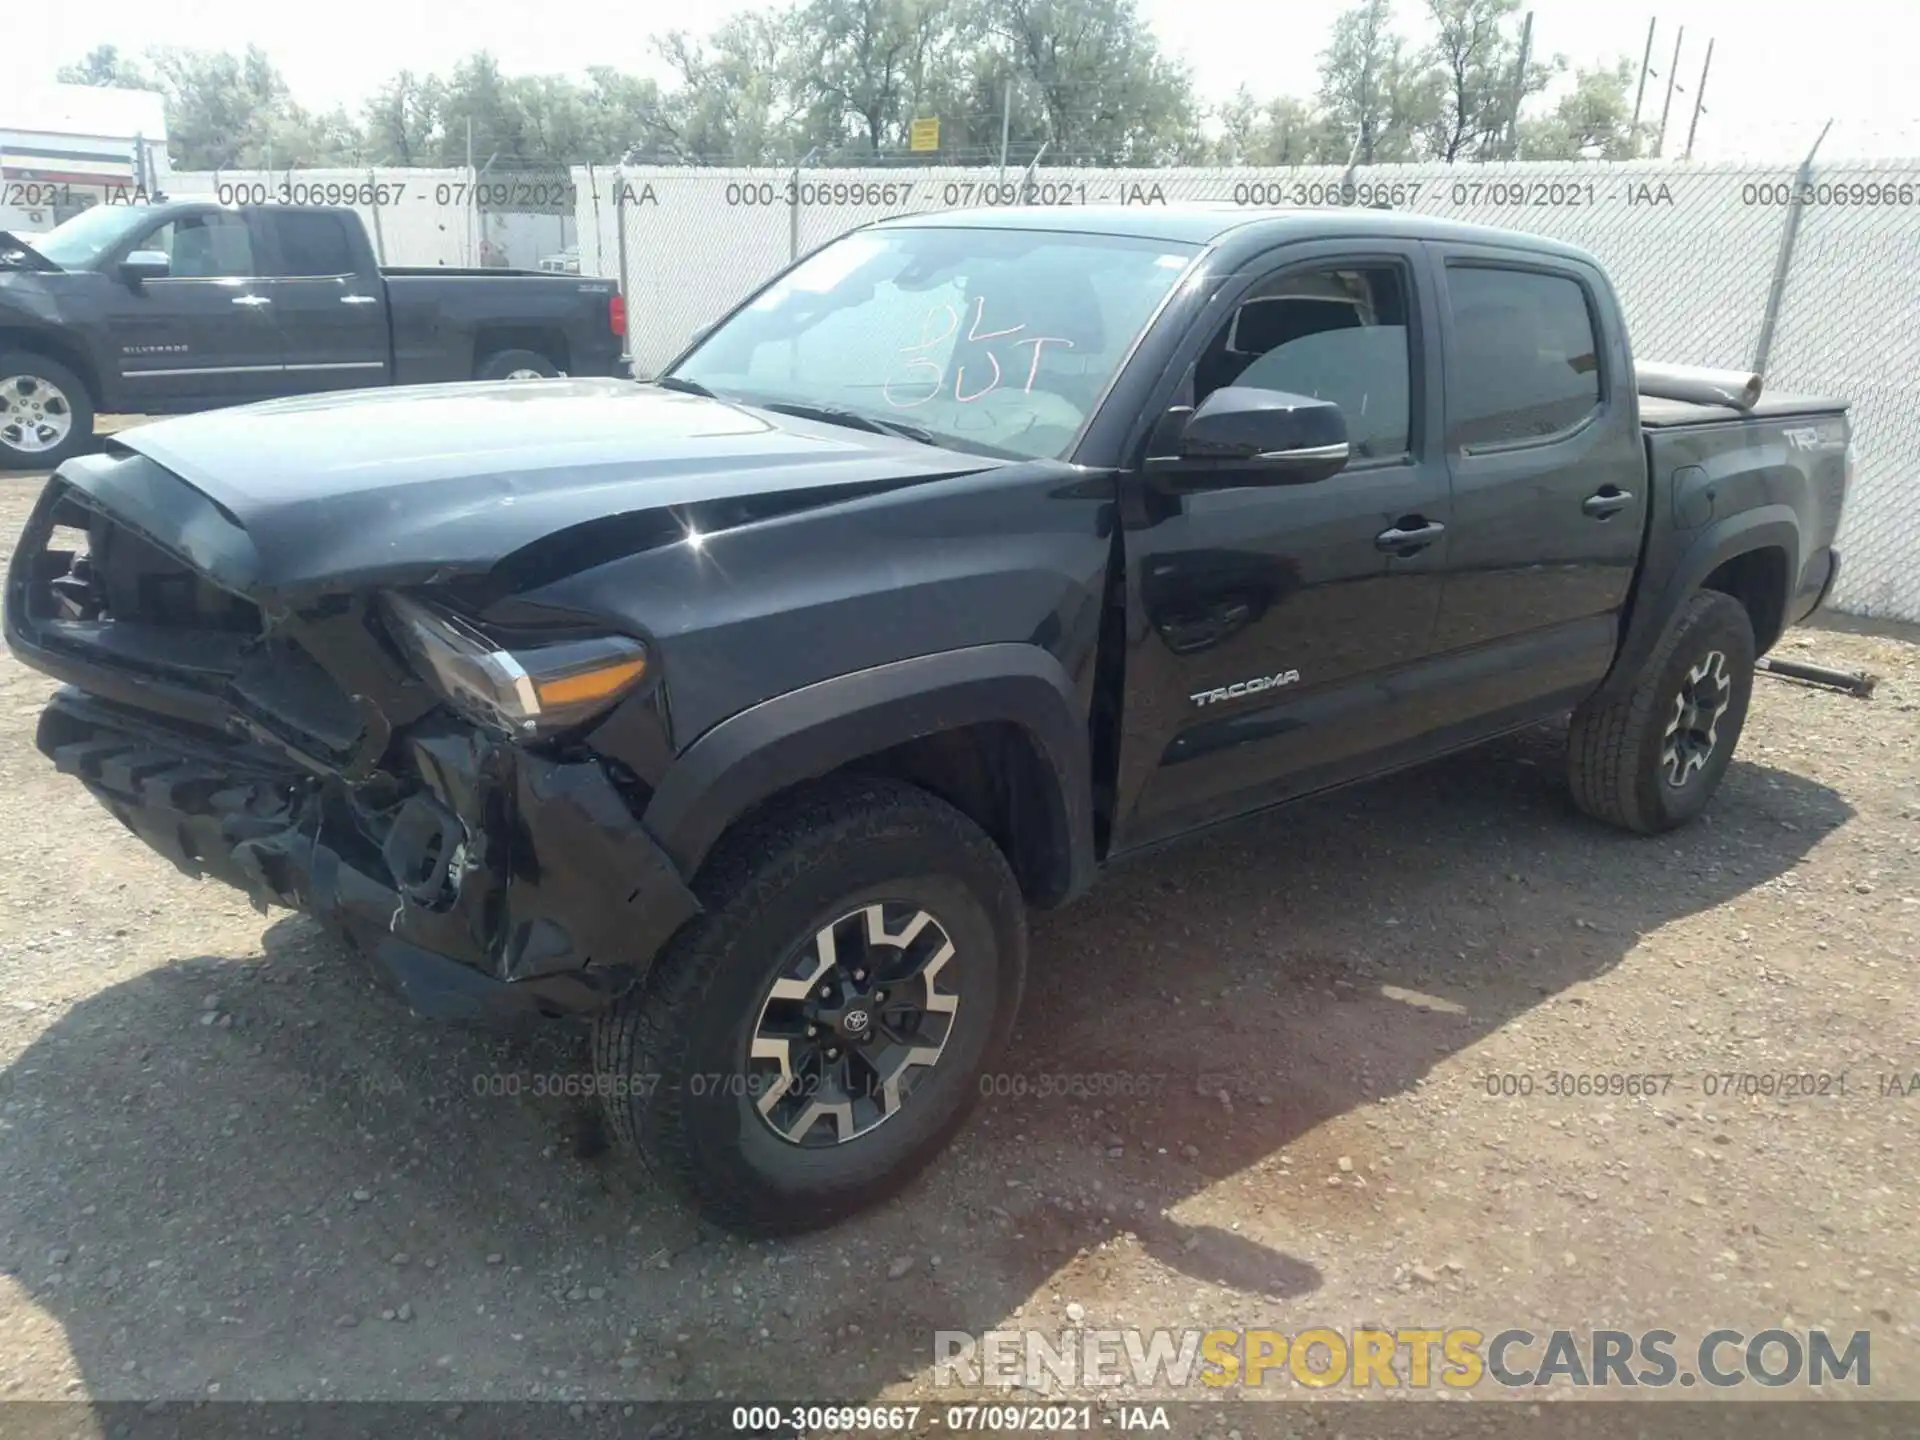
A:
(997, 776)
(1758, 580)
(54, 347)
(542, 341)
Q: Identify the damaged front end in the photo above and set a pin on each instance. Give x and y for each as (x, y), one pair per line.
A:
(371, 757)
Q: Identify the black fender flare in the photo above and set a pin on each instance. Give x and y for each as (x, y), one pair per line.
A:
(806, 733)
(1764, 527)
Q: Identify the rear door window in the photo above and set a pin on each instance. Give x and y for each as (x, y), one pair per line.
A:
(1526, 357)
(308, 245)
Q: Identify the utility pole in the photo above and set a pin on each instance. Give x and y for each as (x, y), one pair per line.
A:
(1673, 72)
(1519, 84)
(1006, 127)
(473, 198)
(1699, 101)
(1646, 65)
(1783, 262)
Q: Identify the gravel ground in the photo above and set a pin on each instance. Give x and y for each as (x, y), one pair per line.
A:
(230, 1166)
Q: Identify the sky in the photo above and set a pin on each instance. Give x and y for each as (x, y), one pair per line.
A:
(1778, 74)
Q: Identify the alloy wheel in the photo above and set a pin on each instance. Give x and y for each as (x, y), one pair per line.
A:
(854, 1020)
(35, 414)
(1703, 697)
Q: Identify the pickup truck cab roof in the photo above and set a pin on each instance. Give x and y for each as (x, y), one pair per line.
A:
(1235, 230)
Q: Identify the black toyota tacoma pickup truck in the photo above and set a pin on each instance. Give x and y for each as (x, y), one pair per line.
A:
(169, 308)
(748, 712)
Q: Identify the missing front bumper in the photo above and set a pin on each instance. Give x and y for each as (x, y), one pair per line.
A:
(496, 881)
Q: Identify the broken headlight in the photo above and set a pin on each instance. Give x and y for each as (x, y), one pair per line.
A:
(528, 692)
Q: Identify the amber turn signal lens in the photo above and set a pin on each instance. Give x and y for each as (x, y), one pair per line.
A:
(587, 686)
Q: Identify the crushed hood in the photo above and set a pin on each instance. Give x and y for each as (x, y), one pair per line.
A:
(426, 483)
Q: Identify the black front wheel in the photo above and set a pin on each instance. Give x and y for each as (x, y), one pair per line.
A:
(811, 1042)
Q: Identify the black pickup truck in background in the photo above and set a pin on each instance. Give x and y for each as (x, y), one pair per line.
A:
(189, 305)
(976, 553)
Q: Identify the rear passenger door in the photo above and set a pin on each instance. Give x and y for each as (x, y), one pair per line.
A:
(326, 298)
(1549, 503)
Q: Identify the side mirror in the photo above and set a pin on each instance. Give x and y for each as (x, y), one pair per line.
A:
(1266, 436)
(700, 332)
(145, 265)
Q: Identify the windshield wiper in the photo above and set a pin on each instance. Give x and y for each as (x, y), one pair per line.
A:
(854, 419)
(685, 387)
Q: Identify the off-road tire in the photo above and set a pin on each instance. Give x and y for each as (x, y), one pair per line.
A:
(1615, 762)
(78, 405)
(665, 1055)
(504, 363)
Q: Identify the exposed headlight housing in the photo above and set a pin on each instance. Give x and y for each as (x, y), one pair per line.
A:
(526, 693)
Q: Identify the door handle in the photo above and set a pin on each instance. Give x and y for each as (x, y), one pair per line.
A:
(358, 300)
(251, 300)
(1409, 538)
(1606, 503)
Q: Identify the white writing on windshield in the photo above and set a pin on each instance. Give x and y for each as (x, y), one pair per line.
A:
(933, 374)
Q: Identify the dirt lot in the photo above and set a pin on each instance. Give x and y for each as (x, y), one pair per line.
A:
(231, 1167)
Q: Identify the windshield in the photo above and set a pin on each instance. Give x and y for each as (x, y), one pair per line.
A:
(993, 340)
(79, 242)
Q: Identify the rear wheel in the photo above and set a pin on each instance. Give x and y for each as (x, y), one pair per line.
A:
(1651, 759)
(812, 1041)
(45, 412)
(516, 365)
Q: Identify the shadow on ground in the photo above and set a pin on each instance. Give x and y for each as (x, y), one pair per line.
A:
(210, 1170)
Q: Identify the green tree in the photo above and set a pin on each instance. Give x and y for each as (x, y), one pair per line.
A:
(228, 111)
(1592, 121)
(870, 63)
(1474, 61)
(1376, 97)
(1108, 93)
(1284, 131)
(404, 121)
(104, 65)
(481, 116)
(629, 119)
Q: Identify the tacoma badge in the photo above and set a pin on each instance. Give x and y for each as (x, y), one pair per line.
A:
(1246, 687)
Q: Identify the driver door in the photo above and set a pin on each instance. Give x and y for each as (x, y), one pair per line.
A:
(205, 331)
(1282, 628)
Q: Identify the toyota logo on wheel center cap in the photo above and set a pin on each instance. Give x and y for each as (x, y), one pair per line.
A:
(856, 1022)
